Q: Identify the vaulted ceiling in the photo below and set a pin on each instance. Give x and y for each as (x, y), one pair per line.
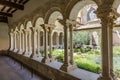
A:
(8, 7)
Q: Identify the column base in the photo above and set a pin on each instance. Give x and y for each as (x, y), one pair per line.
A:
(26, 54)
(68, 67)
(45, 60)
(20, 52)
(34, 55)
(52, 59)
(113, 75)
(104, 78)
(15, 50)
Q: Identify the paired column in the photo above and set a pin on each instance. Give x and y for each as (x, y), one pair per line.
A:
(46, 58)
(34, 43)
(66, 64)
(104, 13)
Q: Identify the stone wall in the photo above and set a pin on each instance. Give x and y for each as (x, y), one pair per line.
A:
(4, 38)
(43, 69)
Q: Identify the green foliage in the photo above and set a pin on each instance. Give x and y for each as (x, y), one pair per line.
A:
(42, 52)
(86, 62)
(58, 54)
(116, 51)
(81, 38)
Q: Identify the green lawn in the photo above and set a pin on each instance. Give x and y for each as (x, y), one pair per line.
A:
(91, 59)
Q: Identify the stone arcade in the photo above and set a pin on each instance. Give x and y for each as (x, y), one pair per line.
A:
(44, 25)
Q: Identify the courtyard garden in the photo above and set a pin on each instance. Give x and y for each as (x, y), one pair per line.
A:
(86, 56)
(90, 60)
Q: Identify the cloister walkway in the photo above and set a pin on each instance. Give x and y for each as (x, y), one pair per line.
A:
(10, 70)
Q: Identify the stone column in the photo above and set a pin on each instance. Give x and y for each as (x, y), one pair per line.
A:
(66, 64)
(15, 42)
(38, 42)
(11, 41)
(46, 58)
(30, 42)
(20, 44)
(103, 12)
(34, 43)
(110, 42)
(51, 45)
(71, 47)
(23, 41)
(26, 42)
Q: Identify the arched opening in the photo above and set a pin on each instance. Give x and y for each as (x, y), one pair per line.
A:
(83, 13)
(55, 37)
(41, 38)
(61, 39)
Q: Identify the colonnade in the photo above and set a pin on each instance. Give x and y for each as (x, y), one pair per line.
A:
(107, 20)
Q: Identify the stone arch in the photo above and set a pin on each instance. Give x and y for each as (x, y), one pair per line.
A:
(28, 24)
(75, 6)
(37, 21)
(116, 4)
(49, 13)
(21, 27)
(55, 35)
(17, 37)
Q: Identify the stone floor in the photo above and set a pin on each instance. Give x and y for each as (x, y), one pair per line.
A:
(11, 70)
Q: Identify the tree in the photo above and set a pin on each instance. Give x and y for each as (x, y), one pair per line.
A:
(81, 38)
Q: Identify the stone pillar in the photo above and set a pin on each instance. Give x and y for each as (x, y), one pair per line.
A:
(26, 42)
(38, 42)
(23, 41)
(104, 13)
(30, 46)
(50, 44)
(71, 47)
(66, 64)
(110, 42)
(34, 43)
(11, 37)
(46, 58)
(15, 42)
(20, 43)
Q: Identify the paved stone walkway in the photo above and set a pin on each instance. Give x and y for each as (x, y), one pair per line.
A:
(7, 72)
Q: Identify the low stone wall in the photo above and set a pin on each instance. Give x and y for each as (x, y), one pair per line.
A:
(41, 68)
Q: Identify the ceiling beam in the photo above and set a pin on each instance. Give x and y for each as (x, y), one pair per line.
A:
(11, 4)
(5, 14)
(3, 19)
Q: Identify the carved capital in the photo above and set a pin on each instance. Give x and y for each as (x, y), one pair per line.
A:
(45, 27)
